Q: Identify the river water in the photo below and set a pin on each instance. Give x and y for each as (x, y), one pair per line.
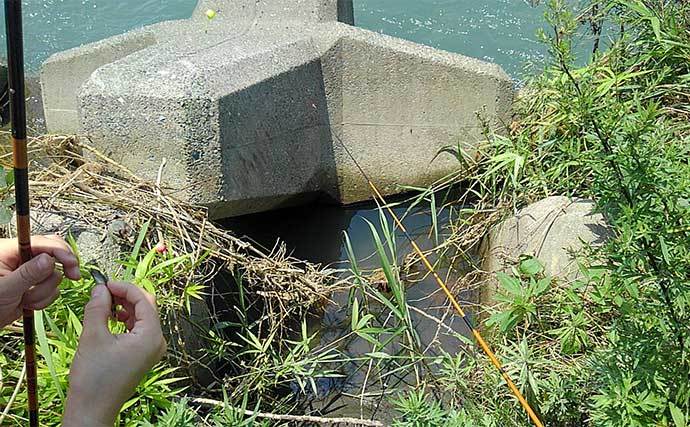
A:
(315, 233)
(502, 31)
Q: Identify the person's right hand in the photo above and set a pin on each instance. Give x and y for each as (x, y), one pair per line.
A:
(107, 368)
(33, 285)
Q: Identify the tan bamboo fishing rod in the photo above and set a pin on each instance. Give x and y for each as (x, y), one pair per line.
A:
(442, 284)
(15, 71)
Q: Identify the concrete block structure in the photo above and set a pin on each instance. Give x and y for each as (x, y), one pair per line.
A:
(253, 109)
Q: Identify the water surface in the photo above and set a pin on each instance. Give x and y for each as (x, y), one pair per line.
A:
(497, 30)
(315, 233)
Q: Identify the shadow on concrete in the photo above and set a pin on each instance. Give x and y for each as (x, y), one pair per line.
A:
(290, 149)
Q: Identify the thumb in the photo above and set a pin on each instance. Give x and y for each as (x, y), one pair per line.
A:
(29, 274)
(98, 310)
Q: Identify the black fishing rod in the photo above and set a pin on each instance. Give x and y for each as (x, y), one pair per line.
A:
(17, 99)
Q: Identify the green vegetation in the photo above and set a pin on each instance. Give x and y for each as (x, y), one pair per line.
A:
(251, 340)
(608, 349)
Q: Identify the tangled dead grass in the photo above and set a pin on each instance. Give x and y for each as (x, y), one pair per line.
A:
(69, 176)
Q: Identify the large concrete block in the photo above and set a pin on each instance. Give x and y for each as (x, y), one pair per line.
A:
(253, 110)
(402, 103)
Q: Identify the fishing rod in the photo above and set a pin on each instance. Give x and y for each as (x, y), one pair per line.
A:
(15, 71)
(442, 284)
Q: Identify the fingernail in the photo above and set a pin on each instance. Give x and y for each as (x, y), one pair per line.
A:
(42, 262)
(97, 291)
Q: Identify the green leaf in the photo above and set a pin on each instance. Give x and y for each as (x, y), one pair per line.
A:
(517, 166)
(379, 355)
(505, 320)
(509, 283)
(5, 215)
(148, 285)
(370, 339)
(354, 320)
(531, 267)
(364, 321)
(388, 270)
(8, 202)
(76, 323)
(664, 250)
(618, 300)
(541, 286)
(167, 263)
(54, 329)
(144, 266)
(44, 348)
(656, 27)
(385, 301)
(135, 251)
(354, 267)
(678, 417)
(638, 7)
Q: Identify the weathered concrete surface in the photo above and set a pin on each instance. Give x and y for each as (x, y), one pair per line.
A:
(63, 74)
(553, 230)
(252, 110)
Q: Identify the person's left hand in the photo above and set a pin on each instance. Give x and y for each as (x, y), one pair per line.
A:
(107, 367)
(33, 285)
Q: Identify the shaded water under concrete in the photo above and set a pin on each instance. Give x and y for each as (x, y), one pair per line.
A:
(315, 233)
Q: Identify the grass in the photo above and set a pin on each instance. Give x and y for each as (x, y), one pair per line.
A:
(609, 348)
(251, 333)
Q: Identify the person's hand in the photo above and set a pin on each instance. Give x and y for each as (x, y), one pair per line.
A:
(33, 285)
(107, 368)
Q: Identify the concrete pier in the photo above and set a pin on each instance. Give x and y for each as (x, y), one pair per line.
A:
(253, 109)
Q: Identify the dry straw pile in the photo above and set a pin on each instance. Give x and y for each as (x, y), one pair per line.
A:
(69, 176)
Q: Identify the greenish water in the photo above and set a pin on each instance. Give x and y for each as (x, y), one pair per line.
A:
(502, 31)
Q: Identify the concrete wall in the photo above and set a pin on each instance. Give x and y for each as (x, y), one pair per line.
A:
(402, 103)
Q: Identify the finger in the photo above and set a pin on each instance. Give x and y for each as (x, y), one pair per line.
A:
(126, 305)
(98, 311)
(45, 302)
(144, 305)
(42, 290)
(56, 247)
(124, 317)
(27, 275)
(11, 316)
